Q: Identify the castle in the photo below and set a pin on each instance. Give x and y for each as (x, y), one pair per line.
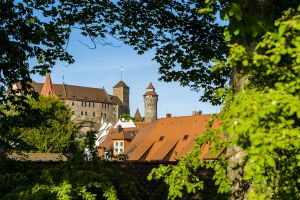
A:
(90, 107)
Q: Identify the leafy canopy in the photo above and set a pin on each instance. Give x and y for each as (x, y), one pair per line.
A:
(262, 119)
(44, 125)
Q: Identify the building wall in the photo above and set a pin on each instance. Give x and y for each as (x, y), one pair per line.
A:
(150, 108)
(123, 94)
(93, 111)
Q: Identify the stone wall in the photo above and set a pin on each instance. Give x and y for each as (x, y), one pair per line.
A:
(123, 94)
(150, 108)
(87, 111)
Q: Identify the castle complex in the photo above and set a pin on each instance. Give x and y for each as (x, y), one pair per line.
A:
(92, 106)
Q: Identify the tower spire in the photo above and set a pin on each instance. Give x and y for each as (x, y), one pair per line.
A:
(48, 89)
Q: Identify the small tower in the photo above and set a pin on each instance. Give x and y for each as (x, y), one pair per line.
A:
(121, 90)
(137, 115)
(150, 101)
(48, 89)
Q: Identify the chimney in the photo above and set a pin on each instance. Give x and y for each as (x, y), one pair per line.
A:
(119, 128)
(197, 112)
(168, 115)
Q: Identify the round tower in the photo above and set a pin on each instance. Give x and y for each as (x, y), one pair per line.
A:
(150, 101)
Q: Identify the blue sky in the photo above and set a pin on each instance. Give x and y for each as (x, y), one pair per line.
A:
(100, 67)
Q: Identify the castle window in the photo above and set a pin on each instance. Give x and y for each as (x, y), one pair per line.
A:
(85, 113)
(82, 104)
(104, 115)
(81, 113)
(94, 114)
(73, 113)
(72, 103)
(93, 104)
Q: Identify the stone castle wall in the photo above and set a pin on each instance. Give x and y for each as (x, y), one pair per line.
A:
(93, 111)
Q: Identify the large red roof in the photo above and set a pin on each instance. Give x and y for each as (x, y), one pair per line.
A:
(169, 139)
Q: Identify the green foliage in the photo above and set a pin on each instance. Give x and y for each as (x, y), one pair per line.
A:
(71, 180)
(44, 124)
(40, 31)
(128, 117)
(262, 119)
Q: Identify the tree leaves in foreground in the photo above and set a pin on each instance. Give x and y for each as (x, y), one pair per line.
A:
(70, 180)
(262, 120)
(34, 35)
(42, 125)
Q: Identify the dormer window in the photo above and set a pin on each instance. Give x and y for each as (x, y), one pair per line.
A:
(118, 147)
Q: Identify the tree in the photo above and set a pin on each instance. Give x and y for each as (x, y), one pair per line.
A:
(257, 55)
(44, 126)
(74, 179)
(39, 31)
(260, 116)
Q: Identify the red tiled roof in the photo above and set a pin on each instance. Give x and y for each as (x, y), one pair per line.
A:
(120, 84)
(150, 86)
(73, 92)
(142, 125)
(170, 139)
(124, 135)
(151, 93)
(47, 89)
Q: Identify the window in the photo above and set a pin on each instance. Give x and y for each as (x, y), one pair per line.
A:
(85, 113)
(73, 112)
(118, 147)
(94, 114)
(104, 115)
(89, 104)
(82, 104)
(93, 104)
(81, 113)
(72, 103)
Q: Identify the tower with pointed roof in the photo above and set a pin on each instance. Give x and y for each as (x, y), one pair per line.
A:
(48, 89)
(137, 115)
(150, 101)
(121, 90)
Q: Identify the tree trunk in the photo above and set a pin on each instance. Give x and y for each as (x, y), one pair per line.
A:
(260, 10)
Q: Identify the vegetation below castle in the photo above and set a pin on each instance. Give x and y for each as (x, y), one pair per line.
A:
(41, 124)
